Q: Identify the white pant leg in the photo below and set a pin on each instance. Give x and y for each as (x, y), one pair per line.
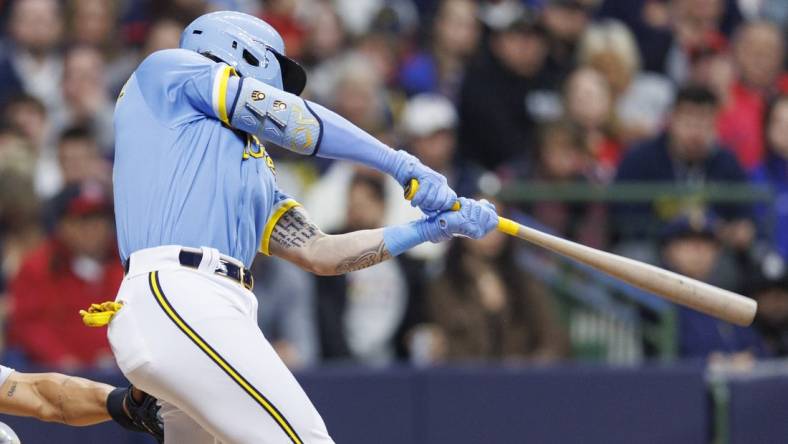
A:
(180, 428)
(189, 338)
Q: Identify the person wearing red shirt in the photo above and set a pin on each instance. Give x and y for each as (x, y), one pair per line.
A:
(758, 55)
(74, 267)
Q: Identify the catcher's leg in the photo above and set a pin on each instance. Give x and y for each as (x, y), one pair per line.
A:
(207, 357)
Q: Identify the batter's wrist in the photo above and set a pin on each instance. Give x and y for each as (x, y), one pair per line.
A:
(401, 238)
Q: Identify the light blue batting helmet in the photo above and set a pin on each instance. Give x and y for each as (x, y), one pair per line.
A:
(248, 44)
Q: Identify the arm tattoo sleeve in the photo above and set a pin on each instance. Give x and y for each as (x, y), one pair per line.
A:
(293, 230)
(366, 258)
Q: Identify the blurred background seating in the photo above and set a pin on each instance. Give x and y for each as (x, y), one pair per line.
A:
(657, 129)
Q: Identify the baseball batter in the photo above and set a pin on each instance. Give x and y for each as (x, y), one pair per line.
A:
(196, 199)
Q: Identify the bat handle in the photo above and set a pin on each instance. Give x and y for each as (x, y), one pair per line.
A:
(505, 225)
(413, 186)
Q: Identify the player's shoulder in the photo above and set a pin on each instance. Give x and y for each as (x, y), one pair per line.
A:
(171, 65)
(173, 58)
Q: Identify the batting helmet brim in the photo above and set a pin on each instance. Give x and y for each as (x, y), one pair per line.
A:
(293, 74)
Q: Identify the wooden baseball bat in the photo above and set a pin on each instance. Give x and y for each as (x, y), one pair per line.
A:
(700, 296)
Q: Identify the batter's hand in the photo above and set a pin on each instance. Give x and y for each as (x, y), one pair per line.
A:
(434, 194)
(474, 219)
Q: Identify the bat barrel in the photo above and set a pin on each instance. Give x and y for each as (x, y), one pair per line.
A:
(700, 296)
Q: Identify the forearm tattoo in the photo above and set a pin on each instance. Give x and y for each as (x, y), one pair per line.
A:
(366, 258)
(11, 390)
(294, 230)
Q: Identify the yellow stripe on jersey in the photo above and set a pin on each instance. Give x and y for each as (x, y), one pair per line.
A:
(164, 303)
(224, 77)
(284, 206)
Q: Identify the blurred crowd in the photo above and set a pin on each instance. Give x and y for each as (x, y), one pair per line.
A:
(657, 101)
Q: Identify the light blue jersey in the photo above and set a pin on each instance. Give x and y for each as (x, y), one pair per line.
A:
(181, 175)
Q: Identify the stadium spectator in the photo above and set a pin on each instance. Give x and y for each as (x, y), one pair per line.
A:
(281, 14)
(30, 61)
(429, 125)
(76, 266)
(565, 21)
(358, 94)
(484, 307)
(382, 49)
(759, 55)
(164, 33)
(512, 70)
(325, 36)
(773, 172)
(79, 158)
(692, 22)
(92, 23)
(183, 11)
(776, 10)
(588, 104)
(563, 159)
(29, 116)
(711, 65)
(20, 231)
(19, 228)
(360, 313)
(454, 39)
(642, 99)
(689, 246)
(496, 124)
(686, 154)
(86, 101)
(286, 310)
(768, 285)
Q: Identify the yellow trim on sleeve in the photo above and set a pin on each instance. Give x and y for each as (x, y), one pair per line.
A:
(269, 226)
(227, 71)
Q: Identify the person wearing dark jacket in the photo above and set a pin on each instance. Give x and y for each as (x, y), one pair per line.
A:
(485, 307)
(360, 314)
(689, 246)
(496, 124)
(685, 154)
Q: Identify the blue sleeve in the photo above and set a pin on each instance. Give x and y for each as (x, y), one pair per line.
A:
(180, 86)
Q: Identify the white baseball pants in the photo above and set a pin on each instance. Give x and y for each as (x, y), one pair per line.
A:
(190, 338)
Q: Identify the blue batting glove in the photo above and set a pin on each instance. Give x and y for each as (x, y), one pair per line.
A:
(474, 220)
(434, 194)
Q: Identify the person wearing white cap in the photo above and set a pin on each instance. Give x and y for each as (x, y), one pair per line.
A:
(428, 126)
